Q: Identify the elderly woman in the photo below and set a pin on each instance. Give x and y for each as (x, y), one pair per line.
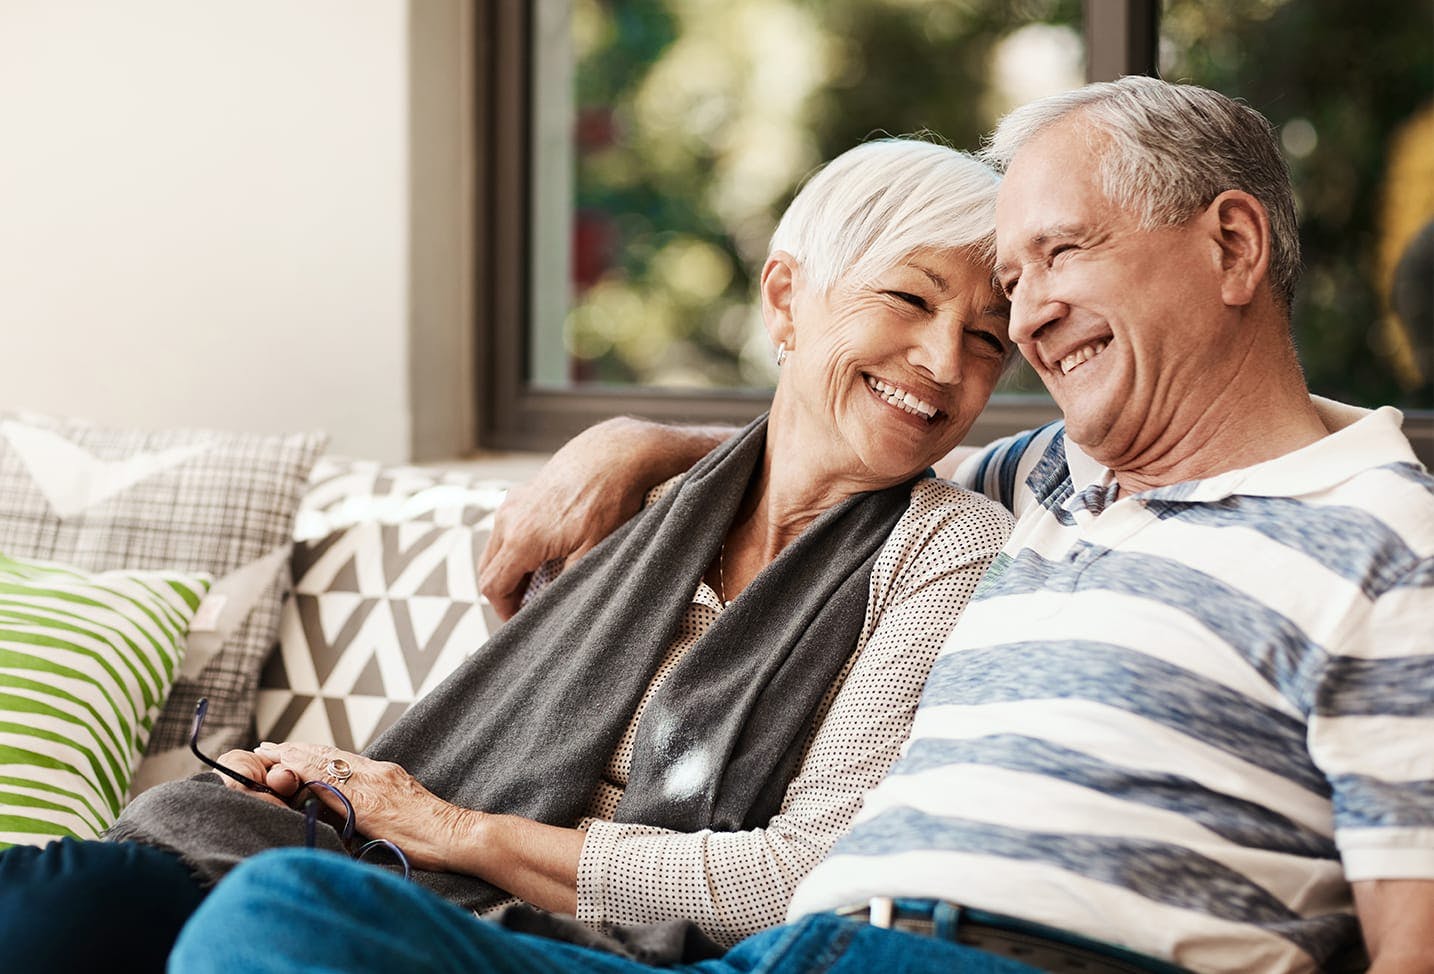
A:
(683, 722)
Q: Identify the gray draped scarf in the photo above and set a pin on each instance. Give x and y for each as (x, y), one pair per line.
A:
(527, 725)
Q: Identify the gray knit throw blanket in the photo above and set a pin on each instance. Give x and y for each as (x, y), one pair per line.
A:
(527, 725)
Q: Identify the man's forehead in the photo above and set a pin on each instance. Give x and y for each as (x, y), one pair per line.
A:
(1064, 153)
(1051, 190)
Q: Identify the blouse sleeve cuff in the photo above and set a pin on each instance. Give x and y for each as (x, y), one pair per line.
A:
(599, 848)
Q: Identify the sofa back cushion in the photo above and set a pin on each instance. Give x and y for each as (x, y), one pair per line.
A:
(193, 500)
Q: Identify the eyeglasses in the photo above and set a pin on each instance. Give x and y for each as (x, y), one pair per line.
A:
(311, 805)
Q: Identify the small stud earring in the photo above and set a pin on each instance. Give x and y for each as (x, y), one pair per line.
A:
(781, 354)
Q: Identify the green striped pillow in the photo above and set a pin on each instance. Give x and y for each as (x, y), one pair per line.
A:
(86, 662)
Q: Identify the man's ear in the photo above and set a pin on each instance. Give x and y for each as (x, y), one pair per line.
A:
(1241, 230)
(778, 288)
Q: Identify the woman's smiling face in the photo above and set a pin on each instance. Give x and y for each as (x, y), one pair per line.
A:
(888, 374)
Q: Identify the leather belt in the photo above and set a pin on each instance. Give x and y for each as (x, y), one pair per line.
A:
(1031, 944)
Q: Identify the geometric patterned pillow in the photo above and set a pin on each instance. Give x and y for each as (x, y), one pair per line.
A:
(189, 500)
(86, 662)
(385, 602)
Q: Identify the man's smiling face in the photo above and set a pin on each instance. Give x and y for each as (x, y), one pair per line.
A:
(1121, 323)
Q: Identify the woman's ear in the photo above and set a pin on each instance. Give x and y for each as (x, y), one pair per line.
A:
(778, 288)
(1241, 230)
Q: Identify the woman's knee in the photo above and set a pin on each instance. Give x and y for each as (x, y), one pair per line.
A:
(282, 910)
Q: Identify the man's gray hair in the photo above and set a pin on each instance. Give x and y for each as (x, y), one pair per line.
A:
(873, 206)
(1173, 148)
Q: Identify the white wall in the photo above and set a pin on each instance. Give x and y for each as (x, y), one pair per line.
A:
(206, 215)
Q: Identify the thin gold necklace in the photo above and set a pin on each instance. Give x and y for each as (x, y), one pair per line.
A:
(722, 574)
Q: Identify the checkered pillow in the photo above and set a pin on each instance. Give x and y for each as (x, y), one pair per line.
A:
(191, 500)
(385, 602)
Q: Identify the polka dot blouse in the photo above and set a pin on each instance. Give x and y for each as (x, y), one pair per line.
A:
(733, 884)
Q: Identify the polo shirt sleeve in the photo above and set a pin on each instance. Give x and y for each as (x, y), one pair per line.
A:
(1372, 734)
(1001, 469)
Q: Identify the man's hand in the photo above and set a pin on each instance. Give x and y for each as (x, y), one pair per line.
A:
(1397, 917)
(588, 488)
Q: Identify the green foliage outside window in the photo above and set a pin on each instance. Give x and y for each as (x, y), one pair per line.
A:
(698, 119)
(1350, 86)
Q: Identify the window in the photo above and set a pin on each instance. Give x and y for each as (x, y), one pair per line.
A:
(636, 154)
(1347, 86)
(641, 152)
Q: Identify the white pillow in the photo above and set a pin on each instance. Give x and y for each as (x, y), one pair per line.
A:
(385, 602)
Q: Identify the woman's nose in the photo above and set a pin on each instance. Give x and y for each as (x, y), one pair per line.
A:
(939, 352)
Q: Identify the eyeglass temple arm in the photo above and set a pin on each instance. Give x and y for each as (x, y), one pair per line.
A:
(200, 710)
(312, 802)
(310, 807)
(393, 850)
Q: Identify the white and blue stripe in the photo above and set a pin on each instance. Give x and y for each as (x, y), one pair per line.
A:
(1183, 721)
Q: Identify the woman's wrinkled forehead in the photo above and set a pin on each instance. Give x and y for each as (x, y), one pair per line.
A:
(931, 262)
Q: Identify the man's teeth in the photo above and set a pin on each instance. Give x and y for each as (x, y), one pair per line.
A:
(901, 399)
(1083, 354)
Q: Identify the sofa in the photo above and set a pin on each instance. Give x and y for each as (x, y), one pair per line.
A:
(306, 596)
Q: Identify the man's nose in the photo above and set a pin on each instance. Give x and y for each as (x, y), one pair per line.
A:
(1033, 307)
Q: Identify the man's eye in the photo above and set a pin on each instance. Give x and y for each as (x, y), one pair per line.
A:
(914, 300)
(1061, 249)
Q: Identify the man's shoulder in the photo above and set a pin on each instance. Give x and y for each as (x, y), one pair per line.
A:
(1364, 468)
(1015, 471)
(1396, 499)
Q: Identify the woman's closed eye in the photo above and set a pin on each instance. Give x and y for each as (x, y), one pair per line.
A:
(915, 300)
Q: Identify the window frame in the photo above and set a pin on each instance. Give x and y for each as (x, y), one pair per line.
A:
(1121, 37)
(513, 414)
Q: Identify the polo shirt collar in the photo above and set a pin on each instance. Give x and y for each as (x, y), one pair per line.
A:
(1085, 472)
(1359, 439)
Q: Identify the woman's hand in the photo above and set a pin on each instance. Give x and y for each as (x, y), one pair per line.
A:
(388, 802)
(256, 766)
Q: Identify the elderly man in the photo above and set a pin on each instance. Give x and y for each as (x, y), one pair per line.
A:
(1187, 719)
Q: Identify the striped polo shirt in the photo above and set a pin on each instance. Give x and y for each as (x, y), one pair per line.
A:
(1184, 720)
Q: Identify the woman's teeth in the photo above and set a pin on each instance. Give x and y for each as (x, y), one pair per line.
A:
(901, 399)
(1083, 354)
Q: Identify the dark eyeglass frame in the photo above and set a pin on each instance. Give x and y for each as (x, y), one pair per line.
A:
(311, 805)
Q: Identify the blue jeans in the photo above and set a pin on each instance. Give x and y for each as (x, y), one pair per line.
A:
(299, 910)
(91, 906)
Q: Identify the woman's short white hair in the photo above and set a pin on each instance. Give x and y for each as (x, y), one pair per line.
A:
(1173, 148)
(873, 206)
